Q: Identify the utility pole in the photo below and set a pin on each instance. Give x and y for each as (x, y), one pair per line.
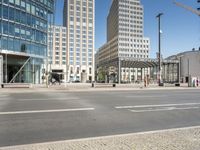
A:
(159, 50)
(189, 80)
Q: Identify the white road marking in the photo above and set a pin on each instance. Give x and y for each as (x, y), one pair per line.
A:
(161, 105)
(45, 111)
(50, 99)
(163, 109)
(99, 138)
(2, 95)
(142, 96)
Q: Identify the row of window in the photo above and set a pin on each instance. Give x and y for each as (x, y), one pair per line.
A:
(78, 19)
(23, 32)
(79, 27)
(78, 8)
(126, 25)
(78, 46)
(90, 41)
(63, 62)
(131, 35)
(127, 6)
(71, 62)
(78, 58)
(78, 50)
(21, 17)
(133, 55)
(17, 45)
(57, 43)
(135, 51)
(133, 45)
(63, 29)
(58, 39)
(58, 53)
(134, 40)
(27, 6)
(78, 55)
(58, 48)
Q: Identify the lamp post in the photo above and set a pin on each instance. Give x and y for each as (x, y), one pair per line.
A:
(159, 49)
(189, 79)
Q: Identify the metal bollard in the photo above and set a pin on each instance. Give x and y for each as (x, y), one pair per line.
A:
(92, 84)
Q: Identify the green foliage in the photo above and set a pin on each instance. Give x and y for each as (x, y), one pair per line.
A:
(101, 74)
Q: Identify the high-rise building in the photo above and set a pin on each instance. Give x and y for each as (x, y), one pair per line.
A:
(57, 54)
(23, 38)
(125, 37)
(78, 17)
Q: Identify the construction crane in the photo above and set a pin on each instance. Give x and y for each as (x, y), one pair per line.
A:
(197, 12)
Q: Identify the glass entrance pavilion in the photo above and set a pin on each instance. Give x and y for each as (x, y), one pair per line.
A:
(23, 38)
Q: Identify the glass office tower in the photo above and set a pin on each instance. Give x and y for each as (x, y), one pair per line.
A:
(23, 38)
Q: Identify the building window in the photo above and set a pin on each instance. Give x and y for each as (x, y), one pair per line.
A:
(77, 71)
(71, 70)
(90, 70)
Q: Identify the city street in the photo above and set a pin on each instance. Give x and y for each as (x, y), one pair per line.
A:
(35, 117)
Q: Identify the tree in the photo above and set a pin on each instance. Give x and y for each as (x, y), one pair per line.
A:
(101, 74)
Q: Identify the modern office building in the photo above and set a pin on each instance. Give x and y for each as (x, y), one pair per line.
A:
(78, 17)
(23, 38)
(125, 37)
(58, 54)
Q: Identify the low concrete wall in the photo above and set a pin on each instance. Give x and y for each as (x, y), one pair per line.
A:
(16, 85)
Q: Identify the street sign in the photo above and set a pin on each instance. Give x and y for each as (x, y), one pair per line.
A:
(1, 69)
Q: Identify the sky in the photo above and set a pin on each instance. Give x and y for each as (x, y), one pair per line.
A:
(180, 28)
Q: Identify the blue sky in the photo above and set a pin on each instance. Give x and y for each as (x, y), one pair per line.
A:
(181, 28)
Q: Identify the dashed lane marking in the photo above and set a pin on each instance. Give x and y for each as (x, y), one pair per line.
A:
(46, 111)
(144, 96)
(161, 105)
(50, 99)
(163, 109)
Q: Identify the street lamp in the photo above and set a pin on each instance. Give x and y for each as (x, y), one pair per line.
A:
(159, 49)
(180, 69)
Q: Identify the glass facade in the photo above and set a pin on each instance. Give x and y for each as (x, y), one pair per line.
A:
(24, 27)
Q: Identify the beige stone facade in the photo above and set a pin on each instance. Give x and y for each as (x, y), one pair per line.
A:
(58, 53)
(125, 37)
(78, 17)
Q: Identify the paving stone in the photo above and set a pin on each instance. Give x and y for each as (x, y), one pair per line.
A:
(179, 139)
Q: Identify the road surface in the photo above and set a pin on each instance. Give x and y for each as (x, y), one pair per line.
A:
(37, 117)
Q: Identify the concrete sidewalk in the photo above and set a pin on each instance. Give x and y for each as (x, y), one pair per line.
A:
(173, 139)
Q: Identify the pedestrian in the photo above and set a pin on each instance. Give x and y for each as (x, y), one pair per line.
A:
(145, 81)
(197, 82)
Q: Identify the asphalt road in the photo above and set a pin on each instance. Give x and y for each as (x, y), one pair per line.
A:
(36, 117)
